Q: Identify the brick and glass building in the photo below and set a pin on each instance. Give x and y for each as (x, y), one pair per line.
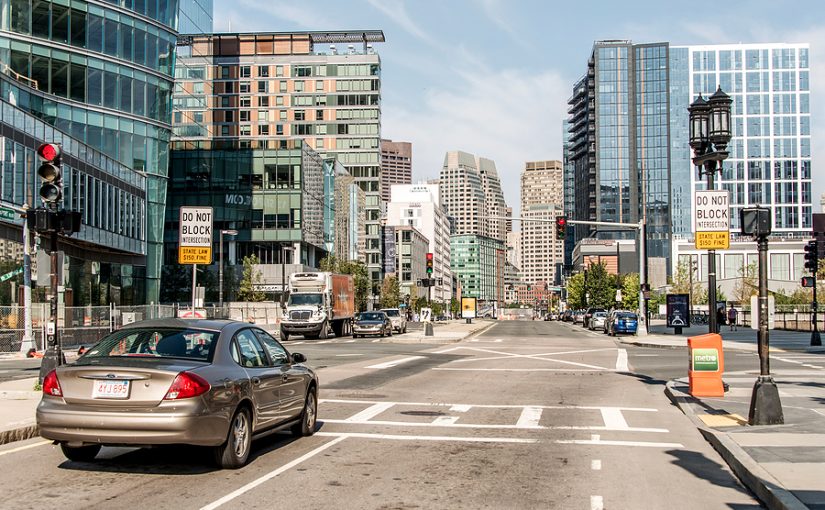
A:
(260, 91)
(542, 200)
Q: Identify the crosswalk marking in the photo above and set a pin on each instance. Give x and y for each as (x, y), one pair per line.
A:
(368, 413)
(614, 418)
(394, 363)
(529, 418)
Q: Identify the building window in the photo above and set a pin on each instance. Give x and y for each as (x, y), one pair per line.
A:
(228, 116)
(224, 72)
(282, 86)
(245, 130)
(279, 70)
(245, 71)
(263, 87)
(245, 102)
(279, 100)
(243, 116)
(263, 130)
(279, 129)
(244, 87)
(300, 115)
(299, 85)
(319, 114)
(224, 130)
(263, 71)
(263, 115)
(282, 115)
(263, 101)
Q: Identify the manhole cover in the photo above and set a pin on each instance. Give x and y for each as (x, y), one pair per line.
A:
(422, 413)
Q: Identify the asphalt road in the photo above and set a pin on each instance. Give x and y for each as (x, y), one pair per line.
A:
(527, 415)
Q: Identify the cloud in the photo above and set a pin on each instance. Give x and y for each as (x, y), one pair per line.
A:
(396, 11)
(509, 116)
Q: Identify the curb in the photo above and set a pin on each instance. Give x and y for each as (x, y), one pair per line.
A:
(19, 434)
(761, 483)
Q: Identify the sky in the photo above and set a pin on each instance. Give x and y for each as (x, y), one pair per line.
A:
(492, 77)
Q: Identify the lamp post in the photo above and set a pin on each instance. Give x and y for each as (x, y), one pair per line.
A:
(284, 249)
(710, 134)
(220, 263)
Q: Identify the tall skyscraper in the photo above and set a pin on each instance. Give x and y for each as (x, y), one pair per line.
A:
(257, 91)
(396, 166)
(542, 200)
(101, 75)
(770, 152)
(471, 193)
(619, 139)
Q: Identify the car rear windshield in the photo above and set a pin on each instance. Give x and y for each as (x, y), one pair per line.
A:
(392, 313)
(371, 317)
(631, 316)
(187, 343)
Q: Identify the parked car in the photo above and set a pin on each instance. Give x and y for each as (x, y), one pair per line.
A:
(578, 317)
(371, 323)
(624, 322)
(589, 313)
(567, 315)
(597, 320)
(213, 383)
(398, 319)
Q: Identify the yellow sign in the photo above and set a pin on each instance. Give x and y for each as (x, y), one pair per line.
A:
(195, 255)
(713, 240)
(468, 308)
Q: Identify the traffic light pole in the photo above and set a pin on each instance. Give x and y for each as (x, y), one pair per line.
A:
(53, 356)
(816, 340)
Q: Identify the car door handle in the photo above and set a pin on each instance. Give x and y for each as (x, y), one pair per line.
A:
(256, 381)
(284, 377)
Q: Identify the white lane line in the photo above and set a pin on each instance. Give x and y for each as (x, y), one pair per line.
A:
(445, 420)
(394, 363)
(445, 351)
(599, 442)
(460, 408)
(524, 369)
(529, 418)
(596, 503)
(368, 413)
(487, 406)
(390, 423)
(596, 465)
(431, 438)
(272, 474)
(21, 448)
(621, 361)
(613, 418)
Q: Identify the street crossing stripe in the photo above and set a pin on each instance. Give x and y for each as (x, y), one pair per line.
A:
(596, 465)
(486, 406)
(272, 474)
(390, 364)
(621, 361)
(369, 413)
(530, 417)
(596, 503)
(429, 438)
(437, 423)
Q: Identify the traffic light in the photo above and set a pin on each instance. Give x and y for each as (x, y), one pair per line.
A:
(50, 172)
(811, 256)
(561, 226)
(807, 281)
(429, 263)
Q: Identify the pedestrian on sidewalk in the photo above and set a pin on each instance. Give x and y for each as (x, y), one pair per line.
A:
(732, 315)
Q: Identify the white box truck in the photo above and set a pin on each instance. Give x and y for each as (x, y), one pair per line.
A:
(319, 304)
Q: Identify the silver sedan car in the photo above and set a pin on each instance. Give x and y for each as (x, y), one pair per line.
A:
(213, 383)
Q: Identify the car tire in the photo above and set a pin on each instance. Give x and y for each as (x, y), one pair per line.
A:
(354, 335)
(405, 328)
(306, 427)
(284, 336)
(389, 333)
(322, 333)
(80, 453)
(234, 452)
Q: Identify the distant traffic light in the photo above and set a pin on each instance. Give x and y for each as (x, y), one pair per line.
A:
(811, 256)
(429, 263)
(50, 171)
(561, 226)
(807, 281)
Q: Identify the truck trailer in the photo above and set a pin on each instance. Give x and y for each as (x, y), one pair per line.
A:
(319, 304)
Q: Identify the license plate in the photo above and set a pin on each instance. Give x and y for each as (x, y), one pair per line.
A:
(110, 389)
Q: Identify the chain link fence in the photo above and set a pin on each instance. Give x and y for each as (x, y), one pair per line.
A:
(86, 325)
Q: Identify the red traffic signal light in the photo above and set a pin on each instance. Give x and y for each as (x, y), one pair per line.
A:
(429, 263)
(561, 227)
(807, 281)
(50, 172)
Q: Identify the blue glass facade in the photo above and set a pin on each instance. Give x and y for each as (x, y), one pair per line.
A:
(102, 73)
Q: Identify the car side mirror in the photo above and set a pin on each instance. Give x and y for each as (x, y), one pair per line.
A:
(297, 357)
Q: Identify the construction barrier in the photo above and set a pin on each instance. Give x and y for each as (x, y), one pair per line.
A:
(707, 363)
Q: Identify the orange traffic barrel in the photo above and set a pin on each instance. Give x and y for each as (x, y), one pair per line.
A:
(707, 363)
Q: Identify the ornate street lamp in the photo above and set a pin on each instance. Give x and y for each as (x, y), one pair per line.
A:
(710, 134)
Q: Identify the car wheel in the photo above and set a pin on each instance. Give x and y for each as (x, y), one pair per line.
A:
(234, 452)
(322, 334)
(307, 425)
(354, 335)
(405, 328)
(80, 453)
(389, 331)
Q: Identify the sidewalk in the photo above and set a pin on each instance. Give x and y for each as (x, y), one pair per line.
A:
(784, 465)
(18, 400)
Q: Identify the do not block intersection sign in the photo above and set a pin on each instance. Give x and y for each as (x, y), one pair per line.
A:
(195, 235)
(711, 224)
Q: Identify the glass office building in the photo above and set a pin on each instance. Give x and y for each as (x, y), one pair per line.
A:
(478, 265)
(101, 73)
(770, 153)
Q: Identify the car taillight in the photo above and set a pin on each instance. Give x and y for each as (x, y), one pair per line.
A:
(187, 385)
(51, 385)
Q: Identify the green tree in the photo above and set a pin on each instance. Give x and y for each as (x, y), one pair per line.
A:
(630, 291)
(390, 293)
(575, 291)
(249, 279)
(601, 286)
(7, 266)
(455, 307)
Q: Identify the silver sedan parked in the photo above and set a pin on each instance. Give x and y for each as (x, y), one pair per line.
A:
(216, 383)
